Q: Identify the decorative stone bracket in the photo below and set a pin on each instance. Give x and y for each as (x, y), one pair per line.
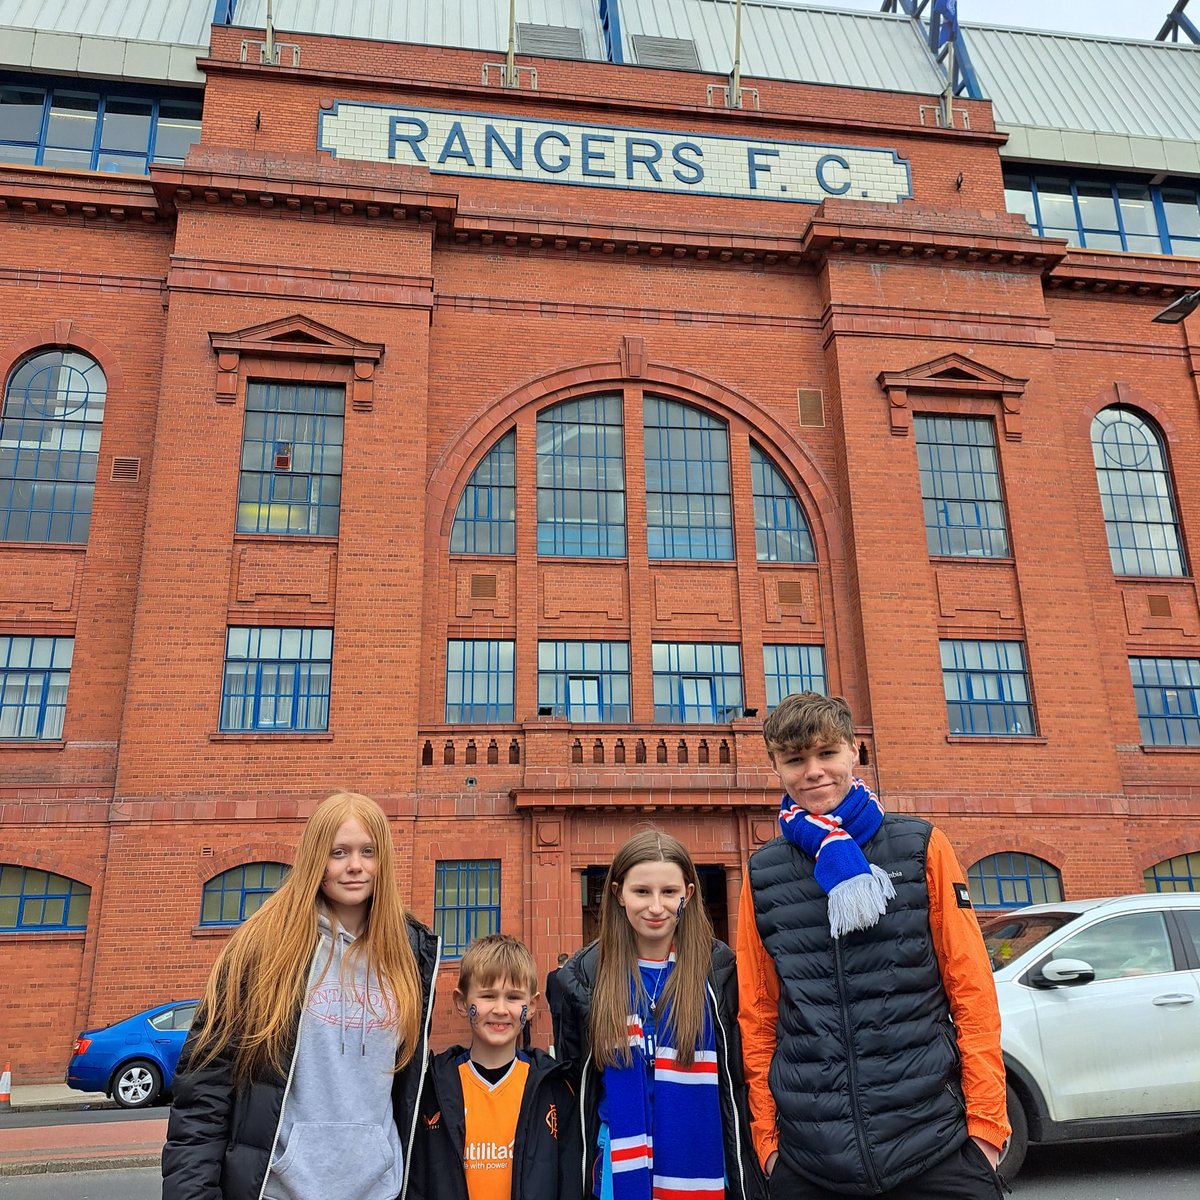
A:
(950, 378)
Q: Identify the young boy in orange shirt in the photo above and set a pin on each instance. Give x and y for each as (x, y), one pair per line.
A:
(496, 1122)
(870, 1028)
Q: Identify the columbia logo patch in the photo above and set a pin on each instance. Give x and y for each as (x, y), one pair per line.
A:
(962, 894)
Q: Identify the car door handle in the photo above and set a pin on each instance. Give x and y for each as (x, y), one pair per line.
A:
(1173, 998)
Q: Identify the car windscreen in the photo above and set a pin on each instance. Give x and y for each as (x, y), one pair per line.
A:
(1008, 937)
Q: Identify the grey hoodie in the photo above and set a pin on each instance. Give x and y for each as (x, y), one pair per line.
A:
(337, 1138)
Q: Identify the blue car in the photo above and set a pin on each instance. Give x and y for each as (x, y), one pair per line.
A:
(134, 1060)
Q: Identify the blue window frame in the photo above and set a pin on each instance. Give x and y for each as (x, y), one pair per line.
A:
(479, 681)
(291, 477)
(987, 688)
(1136, 495)
(581, 478)
(234, 895)
(1178, 874)
(49, 123)
(466, 903)
(33, 901)
(1011, 880)
(34, 674)
(584, 681)
(790, 669)
(1167, 694)
(697, 683)
(49, 447)
(276, 679)
(781, 532)
(485, 521)
(689, 513)
(1180, 208)
(960, 486)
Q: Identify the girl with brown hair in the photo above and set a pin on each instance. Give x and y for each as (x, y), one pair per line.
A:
(301, 1078)
(650, 1016)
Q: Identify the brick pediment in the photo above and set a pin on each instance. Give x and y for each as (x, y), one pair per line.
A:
(296, 337)
(953, 377)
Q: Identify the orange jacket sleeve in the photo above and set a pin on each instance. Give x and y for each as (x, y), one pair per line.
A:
(971, 991)
(758, 1012)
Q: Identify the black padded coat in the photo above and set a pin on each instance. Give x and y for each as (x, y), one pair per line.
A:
(220, 1137)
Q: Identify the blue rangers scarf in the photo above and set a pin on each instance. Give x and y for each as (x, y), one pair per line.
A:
(858, 891)
(664, 1119)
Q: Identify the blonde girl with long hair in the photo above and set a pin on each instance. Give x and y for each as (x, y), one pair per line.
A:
(301, 1077)
(650, 1018)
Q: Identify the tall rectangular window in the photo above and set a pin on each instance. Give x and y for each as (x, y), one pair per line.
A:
(987, 688)
(960, 486)
(584, 681)
(479, 681)
(1167, 692)
(291, 477)
(790, 669)
(276, 679)
(697, 683)
(581, 478)
(466, 903)
(34, 673)
(689, 513)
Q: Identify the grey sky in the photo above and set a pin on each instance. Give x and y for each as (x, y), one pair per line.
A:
(1118, 18)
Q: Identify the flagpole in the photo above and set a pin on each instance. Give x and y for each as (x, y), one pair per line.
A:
(735, 83)
(948, 97)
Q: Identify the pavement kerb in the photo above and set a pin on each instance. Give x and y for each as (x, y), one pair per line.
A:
(62, 1106)
(116, 1162)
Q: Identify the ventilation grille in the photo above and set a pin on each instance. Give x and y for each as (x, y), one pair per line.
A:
(550, 41)
(678, 54)
(791, 591)
(1160, 606)
(126, 470)
(811, 406)
(206, 852)
(483, 587)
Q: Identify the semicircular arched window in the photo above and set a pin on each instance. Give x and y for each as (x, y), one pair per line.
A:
(1178, 874)
(35, 901)
(1013, 880)
(1136, 495)
(485, 521)
(781, 531)
(234, 895)
(49, 447)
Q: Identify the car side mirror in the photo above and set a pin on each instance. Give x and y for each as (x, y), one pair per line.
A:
(1063, 972)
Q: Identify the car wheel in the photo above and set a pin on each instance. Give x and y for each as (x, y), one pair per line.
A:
(1018, 1141)
(136, 1084)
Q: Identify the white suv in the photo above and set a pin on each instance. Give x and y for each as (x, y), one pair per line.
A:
(1100, 1004)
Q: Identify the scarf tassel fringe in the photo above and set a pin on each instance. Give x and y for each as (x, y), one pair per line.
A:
(859, 902)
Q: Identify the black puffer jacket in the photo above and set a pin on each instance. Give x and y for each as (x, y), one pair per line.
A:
(744, 1177)
(546, 1148)
(220, 1137)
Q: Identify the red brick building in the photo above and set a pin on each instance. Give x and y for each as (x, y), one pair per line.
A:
(509, 477)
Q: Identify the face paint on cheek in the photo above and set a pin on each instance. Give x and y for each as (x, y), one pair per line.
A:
(679, 910)
(473, 1015)
(524, 1015)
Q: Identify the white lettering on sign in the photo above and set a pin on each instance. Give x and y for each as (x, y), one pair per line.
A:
(653, 160)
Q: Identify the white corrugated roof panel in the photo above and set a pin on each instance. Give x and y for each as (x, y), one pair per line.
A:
(472, 24)
(184, 22)
(1067, 81)
(783, 41)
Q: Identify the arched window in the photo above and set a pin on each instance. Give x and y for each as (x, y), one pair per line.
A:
(485, 521)
(1011, 880)
(689, 512)
(581, 478)
(781, 532)
(234, 895)
(33, 901)
(1136, 495)
(1178, 874)
(49, 447)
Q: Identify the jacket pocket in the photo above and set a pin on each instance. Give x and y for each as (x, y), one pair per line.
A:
(336, 1161)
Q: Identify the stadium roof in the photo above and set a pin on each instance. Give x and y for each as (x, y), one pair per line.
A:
(1090, 101)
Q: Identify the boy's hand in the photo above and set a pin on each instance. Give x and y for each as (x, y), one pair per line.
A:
(772, 1159)
(990, 1152)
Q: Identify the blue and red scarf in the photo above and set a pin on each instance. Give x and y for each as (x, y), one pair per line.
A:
(664, 1119)
(858, 891)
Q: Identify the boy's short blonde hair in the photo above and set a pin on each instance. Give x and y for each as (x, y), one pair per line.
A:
(806, 719)
(495, 957)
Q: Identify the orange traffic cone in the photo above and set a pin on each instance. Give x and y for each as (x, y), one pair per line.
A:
(6, 1087)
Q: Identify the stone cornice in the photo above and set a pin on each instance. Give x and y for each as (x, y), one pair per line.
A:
(1124, 274)
(44, 191)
